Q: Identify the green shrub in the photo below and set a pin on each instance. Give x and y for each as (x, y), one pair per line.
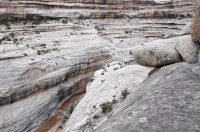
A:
(94, 106)
(95, 117)
(63, 120)
(82, 17)
(71, 109)
(114, 101)
(37, 22)
(106, 107)
(60, 126)
(125, 93)
(64, 21)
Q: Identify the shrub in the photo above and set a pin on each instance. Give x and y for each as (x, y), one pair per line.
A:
(24, 22)
(115, 69)
(12, 35)
(64, 21)
(106, 107)
(61, 94)
(8, 26)
(125, 93)
(82, 17)
(6, 23)
(63, 120)
(114, 101)
(95, 117)
(92, 80)
(189, 15)
(71, 109)
(15, 40)
(5, 38)
(94, 106)
(60, 127)
(38, 52)
(37, 22)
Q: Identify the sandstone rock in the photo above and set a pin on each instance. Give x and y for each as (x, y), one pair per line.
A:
(30, 10)
(184, 31)
(107, 86)
(50, 49)
(167, 101)
(167, 51)
(62, 68)
(67, 51)
(196, 25)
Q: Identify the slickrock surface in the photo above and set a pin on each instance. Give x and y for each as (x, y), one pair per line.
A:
(166, 101)
(50, 49)
(107, 86)
(48, 62)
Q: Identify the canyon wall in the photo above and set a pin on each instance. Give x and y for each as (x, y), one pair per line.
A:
(49, 49)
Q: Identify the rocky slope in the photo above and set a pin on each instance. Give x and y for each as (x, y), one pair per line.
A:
(108, 89)
(49, 50)
(167, 101)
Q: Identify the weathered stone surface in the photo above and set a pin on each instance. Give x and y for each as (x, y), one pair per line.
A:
(45, 54)
(184, 31)
(167, 101)
(28, 114)
(60, 69)
(107, 86)
(34, 9)
(56, 46)
(167, 51)
(196, 25)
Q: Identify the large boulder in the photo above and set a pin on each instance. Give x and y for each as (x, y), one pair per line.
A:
(168, 101)
(166, 51)
(196, 26)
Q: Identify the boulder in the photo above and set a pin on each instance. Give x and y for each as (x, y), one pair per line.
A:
(168, 101)
(196, 26)
(166, 51)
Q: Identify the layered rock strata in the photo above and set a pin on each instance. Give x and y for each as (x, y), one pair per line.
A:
(34, 9)
(45, 72)
(50, 49)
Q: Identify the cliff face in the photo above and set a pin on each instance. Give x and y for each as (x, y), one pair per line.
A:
(49, 49)
(98, 9)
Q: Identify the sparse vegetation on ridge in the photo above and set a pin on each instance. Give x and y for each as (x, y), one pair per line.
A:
(82, 17)
(106, 107)
(125, 93)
